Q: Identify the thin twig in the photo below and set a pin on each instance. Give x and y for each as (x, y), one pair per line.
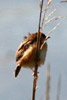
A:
(37, 53)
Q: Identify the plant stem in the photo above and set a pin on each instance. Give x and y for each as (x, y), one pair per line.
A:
(37, 53)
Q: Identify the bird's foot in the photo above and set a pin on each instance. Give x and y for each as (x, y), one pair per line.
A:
(35, 75)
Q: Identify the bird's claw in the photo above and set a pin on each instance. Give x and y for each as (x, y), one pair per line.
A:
(35, 75)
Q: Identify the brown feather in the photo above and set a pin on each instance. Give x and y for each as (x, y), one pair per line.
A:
(17, 70)
(26, 53)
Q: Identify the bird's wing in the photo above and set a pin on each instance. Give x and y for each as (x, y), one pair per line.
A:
(25, 45)
(29, 40)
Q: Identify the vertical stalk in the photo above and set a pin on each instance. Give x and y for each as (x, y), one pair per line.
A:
(37, 53)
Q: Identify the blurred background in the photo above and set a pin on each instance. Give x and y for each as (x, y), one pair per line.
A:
(17, 18)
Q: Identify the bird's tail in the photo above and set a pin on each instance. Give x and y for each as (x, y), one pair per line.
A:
(17, 70)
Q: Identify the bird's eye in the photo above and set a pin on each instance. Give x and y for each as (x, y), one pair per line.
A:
(25, 37)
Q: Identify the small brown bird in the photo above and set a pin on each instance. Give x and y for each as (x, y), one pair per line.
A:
(26, 53)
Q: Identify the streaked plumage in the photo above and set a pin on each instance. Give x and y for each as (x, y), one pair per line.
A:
(26, 53)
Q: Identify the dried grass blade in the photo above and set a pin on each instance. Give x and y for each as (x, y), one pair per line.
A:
(47, 5)
(48, 36)
(51, 13)
(53, 19)
(54, 28)
(49, 2)
(48, 83)
(59, 88)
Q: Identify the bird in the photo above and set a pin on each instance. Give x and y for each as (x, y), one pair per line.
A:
(26, 52)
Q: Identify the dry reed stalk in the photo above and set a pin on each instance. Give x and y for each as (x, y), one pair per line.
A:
(64, 1)
(59, 88)
(47, 5)
(44, 23)
(37, 53)
(48, 83)
(56, 4)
